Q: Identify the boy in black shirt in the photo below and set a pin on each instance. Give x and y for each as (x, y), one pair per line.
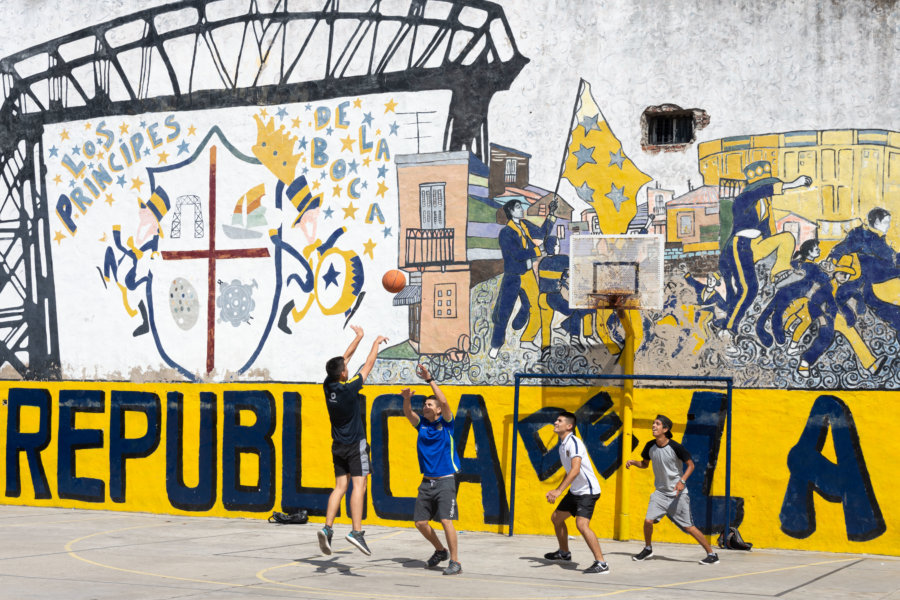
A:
(671, 495)
(349, 449)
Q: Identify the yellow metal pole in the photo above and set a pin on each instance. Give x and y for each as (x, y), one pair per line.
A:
(623, 517)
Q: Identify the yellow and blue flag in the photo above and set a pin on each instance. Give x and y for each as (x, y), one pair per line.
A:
(596, 165)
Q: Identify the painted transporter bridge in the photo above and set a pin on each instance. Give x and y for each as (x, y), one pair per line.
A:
(176, 57)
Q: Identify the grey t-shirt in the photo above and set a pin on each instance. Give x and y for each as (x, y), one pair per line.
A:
(668, 464)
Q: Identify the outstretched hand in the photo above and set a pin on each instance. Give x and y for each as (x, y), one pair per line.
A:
(422, 372)
(406, 393)
(379, 340)
(357, 330)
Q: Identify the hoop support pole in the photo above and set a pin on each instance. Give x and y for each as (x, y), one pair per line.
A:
(623, 524)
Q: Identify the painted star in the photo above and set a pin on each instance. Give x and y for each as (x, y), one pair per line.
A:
(377, 132)
(136, 183)
(347, 143)
(143, 124)
(328, 212)
(183, 147)
(123, 128)
(366, 161)
(369, 248)
(323, 175)
(329, 131)
(263, 113)
(110, 199)
(295, 123)
(365, 185)
(367, 120)
(331, 276)
(350, 211)
(381, 189)
(59, 237)
(76, 150)
(282, 113)
(389, 106)
(57, 179)
(72, 183)
(590, 123)
(382, 171)
(54, 151)
(336, 191)
(147, 152)
(308, 107)
(121, 180)
(394, 128)
(585, 192)
(91, 166)
(87, 126)
(163, 158)
(357, 103)
(302, 143)
(584, 156)
(305, 171)
(315, 185)
(617, 195)
(616, 158)
(100, 155)
(192, 130)
(387, 231)
(64, 135)
(353, 165)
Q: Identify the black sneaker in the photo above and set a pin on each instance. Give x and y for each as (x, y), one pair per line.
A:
(325, 534)
(710, 559)
(643, 554)
(598, 567)
(558, 555)
(356, 538)
(454, 568)
(439, 556)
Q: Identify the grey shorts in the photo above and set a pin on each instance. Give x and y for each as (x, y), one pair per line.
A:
(678, 509)
(436, 500)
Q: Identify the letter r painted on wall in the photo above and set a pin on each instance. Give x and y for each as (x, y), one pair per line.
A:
(846, 481)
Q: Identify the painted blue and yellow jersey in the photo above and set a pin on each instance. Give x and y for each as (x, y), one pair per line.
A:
(436, 449)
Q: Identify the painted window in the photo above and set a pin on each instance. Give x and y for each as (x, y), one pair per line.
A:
(561, 232)
(685, 224)
(444, 296)
(510, 172)
(432, 205)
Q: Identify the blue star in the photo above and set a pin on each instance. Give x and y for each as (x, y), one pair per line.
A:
(584, 156)
(305, 170)
(72, 183)
(147, 152)
(382, 171)
(585, 192)
(76, 150)
(331, 276)
(322, 175)
(282, 113)
(387, 231)
(394, 128)
(91, 166)
(101, 142)
(328, 212)
(365, 185)
(121, 180)
(143, 124)
(617, 195)
(54, 151)
(367, 120)
(590, 123)
(183, 147)
(328, 131)
(302, 143)
(616, 158)
(309, 107)
(353, 165)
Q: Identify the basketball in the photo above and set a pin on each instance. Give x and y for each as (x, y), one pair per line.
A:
(393, 281)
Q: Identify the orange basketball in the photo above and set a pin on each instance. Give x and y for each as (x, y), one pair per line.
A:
(393, 281)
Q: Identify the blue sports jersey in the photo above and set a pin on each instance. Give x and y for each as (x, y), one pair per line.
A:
(437, 452)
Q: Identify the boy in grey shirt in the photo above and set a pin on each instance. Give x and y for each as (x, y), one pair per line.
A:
(671, 495)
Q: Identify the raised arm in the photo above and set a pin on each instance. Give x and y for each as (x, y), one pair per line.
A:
(407, 407)
(348, 353)
(370, 360)
(422, 372)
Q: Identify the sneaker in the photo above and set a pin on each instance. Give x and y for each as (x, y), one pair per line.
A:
(710, 559)
(356, 538)
(325, 534)
(598, 567)
(558, 555)
(454, 568)
(439, 556)
(643, 554)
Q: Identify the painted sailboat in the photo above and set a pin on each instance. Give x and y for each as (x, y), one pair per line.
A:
(249, 215)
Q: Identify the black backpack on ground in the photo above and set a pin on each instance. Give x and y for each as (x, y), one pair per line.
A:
(733, 540)
(297, 518)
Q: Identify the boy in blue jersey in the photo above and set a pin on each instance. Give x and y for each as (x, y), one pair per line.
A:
(349, 448)
(439, 464)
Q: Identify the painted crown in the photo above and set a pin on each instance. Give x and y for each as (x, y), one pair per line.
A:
(274, 149)
(758, 170)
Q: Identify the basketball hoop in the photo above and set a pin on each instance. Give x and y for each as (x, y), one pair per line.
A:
(616, 299)
(620, 272)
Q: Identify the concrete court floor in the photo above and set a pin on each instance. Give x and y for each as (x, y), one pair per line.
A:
(52, 553)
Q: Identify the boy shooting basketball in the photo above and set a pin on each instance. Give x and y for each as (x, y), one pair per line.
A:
(671, 496)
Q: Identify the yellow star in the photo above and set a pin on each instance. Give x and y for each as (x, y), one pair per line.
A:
(123, 128)
(369, 247)
(100, 154)
(377, 132)
(389, 106)
(381, 189)
(136, 183)
(347, 144)
(350, 211)
(295, 122)
(163, 158)
(109, 199)
(366, 161)
(315, 185)
(357, 103)
(87, 125)
(336, 192)
(59, 237)
(57, 179)
(264, 113)
(192, 130)
(64, 135)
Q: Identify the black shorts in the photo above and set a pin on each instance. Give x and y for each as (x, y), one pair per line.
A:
(350, 458)
(436, 500)
(580, 506)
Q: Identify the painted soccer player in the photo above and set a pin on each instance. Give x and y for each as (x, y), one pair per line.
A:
(439, 463)
(670, 497)
(581, 498)
(349, 448)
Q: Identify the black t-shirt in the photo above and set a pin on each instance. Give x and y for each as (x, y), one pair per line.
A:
(345, 405)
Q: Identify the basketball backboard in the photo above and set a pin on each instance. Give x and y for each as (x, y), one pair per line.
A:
(616, 271)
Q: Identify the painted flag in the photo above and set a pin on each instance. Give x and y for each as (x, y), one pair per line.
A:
(596, 165)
